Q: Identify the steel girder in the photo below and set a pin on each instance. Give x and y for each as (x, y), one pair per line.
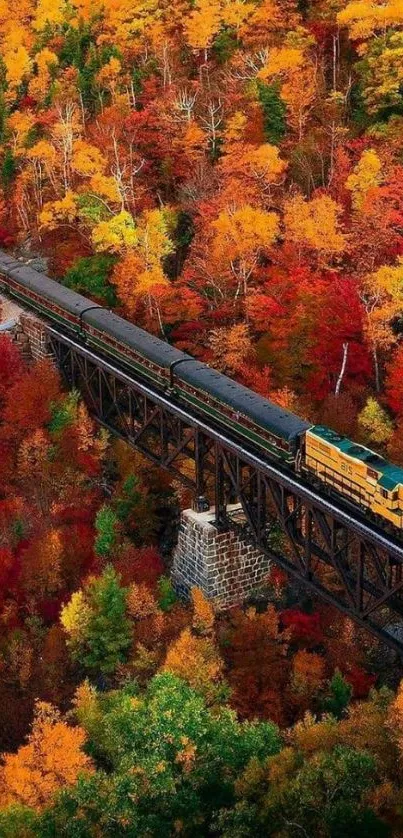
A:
(345, 560)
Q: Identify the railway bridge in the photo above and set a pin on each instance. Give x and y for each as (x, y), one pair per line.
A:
(247, 510)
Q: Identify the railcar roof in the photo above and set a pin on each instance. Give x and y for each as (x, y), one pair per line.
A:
(390, 475)
(281, 422)
(277, 420)
(42, 284)
(151, 347)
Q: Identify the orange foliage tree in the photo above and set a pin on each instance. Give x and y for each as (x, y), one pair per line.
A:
(52, 759)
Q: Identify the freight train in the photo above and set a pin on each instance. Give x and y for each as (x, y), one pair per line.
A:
(336, 465)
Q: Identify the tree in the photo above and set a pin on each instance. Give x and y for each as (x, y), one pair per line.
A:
(308, 670)
(366, 19)
(42, 564)
(90, 276)
(202, 25)
(98, 630)
(107, 527)
(140, 276)
(375, 423)
(115, 235)
(52, 759)
(366, 176)
(230, 347)
(291, 68)
(10, 365)
(30, 397)
(196, 660)
(315, 225)
(171, 760)
(203, 613)
(274, 111)
(255, 652)
(382, 296)
(394, 382)
(339, 695)
(240, 238)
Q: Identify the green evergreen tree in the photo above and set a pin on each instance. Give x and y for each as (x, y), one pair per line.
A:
(107, 528)
(339, 696)
(166, 594)
(8, 168)
(274, 110)
(90, 275)
(108, 634)
(128, 499)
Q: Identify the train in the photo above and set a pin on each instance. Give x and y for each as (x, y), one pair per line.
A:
(332, 463)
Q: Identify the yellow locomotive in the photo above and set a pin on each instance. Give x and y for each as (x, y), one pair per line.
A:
(356, 473)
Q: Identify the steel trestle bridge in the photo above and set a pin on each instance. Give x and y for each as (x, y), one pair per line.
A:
(342, 557)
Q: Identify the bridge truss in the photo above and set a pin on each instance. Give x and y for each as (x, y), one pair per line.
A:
(348, 562)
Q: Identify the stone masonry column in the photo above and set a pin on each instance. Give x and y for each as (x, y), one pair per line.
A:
(225, 568)
(34, 329)
(26, 329)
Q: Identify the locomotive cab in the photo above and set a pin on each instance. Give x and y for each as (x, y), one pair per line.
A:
(388, 500)
(356, 473)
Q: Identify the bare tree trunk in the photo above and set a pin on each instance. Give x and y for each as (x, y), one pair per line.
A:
(334, 62)
(376, 369)
(342, 371)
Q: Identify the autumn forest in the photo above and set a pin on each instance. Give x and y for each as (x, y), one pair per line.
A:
(228, 175)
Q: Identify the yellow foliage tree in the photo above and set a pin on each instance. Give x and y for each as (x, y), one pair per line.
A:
(59, 212)
(230, 346)
(240, 237)
(87, 159)
(202, 25)
(249, 171)
(235, 13)
(315, 225)
(196, 660)
(18, 65)
(116, 235)
(295, 71)
(108, 75)
(382, 295)
(282, 61)
(49, 13)
(365, 18)
(20, 124)
(375, 422)
(140, 275)
(75, 617)
(40, 82)
(106, 187)
(366, 176)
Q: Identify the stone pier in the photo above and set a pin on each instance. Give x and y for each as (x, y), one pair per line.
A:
(226, 568)
(26, 329)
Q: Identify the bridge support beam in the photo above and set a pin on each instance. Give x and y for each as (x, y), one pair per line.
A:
(220, 563)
